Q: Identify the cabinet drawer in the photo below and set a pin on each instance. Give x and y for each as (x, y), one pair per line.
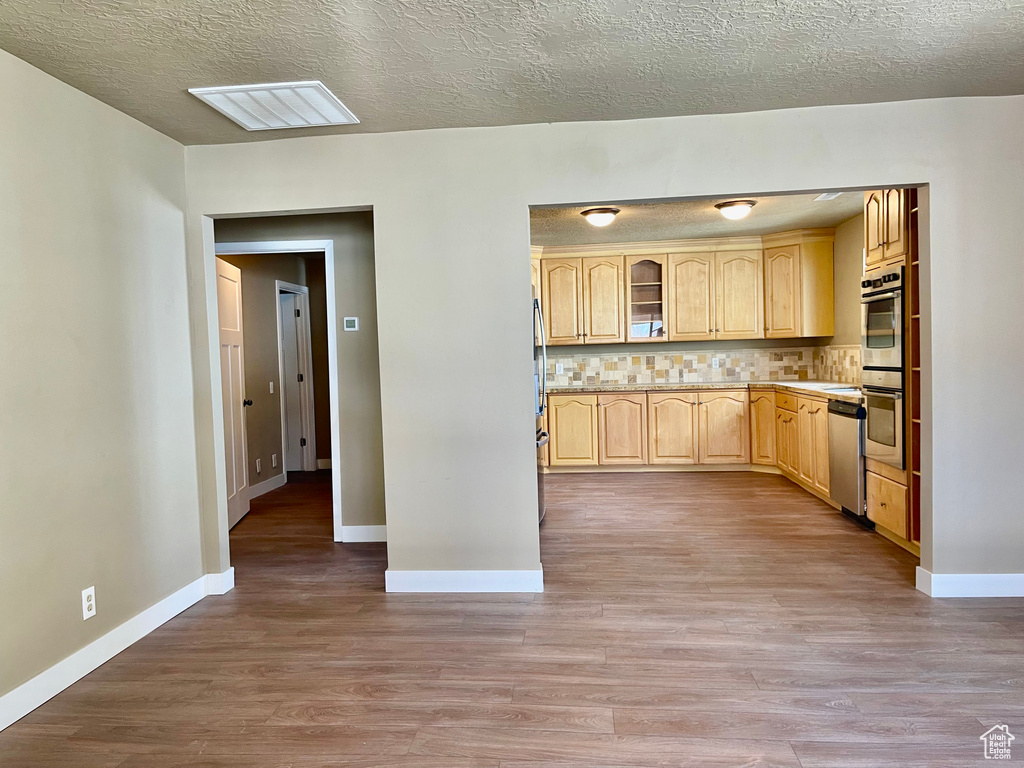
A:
(785, 401)
(887, 504)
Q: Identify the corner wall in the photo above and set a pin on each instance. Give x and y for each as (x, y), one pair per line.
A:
(452, 233)
(97, 441)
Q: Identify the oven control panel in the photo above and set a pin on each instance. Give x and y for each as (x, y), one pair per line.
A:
(886, 281)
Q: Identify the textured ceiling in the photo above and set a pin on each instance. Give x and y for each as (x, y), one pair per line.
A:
(686, 219)
(408, 64)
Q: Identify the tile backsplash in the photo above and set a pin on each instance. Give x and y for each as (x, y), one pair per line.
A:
(838, 363)
(582, 369)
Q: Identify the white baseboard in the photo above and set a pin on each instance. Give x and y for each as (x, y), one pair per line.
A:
(44, 686)
(358, 533)
(268, 485)
(323, 463)
(464, 581)
(970, 584)
(220, 583)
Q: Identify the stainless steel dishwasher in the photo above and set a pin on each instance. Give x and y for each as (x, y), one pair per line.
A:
(846, 459)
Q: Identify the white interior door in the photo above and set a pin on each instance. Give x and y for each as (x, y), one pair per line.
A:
(291, 392)
(229, 312)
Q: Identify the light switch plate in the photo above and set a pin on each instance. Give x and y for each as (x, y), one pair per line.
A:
(350, 324)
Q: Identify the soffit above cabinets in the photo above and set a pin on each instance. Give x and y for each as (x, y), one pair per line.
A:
(691, 219)
(404, 66)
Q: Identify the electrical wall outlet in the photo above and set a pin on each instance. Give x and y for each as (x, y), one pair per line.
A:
(259, 466)
(559, 368)
(271, 387)
(273, 460)
(714, 362)
(88, 603)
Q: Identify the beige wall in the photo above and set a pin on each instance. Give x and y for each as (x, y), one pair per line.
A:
(98, 482)
(849, 269)
(260, 273)
(359, 383)
(452, 227)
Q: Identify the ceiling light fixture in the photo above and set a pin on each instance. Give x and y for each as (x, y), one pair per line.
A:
(735, 209)
(826, 196)
(265, 107)
(600, 217)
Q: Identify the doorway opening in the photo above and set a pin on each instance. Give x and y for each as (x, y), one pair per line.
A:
(771, 334)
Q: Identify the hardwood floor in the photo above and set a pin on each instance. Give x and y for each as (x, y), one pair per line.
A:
(725, 619)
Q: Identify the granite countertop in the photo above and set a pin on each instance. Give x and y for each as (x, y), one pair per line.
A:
(833, 390)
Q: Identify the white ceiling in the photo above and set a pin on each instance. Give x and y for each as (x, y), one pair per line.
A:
(409, 64)
(686, 219)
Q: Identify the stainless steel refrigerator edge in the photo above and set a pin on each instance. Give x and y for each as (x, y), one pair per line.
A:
(540, 368)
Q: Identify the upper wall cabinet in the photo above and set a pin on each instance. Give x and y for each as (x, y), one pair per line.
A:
(602, 300)
(645, 292)
(886, 226)
(582, 300)
(562, 300)
(691, 296)
(739, 295)
(716, 296)
(798, 284)
(774, 286)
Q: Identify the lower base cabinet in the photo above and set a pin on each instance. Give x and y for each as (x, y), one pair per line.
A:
(672, 427)
(723, 427)
(887, 504)
(622, 429)
(787, 441)
(572, 424)
(762, 427)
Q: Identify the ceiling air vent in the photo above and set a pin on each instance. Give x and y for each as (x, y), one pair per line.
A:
(277, 105)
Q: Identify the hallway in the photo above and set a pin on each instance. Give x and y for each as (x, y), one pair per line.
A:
(715, 619)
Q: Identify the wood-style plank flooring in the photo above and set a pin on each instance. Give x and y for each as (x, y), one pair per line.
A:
(725, 619)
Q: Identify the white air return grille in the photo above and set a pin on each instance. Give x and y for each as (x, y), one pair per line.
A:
(277, 105)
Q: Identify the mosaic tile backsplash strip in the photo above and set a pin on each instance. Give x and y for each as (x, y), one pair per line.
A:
(838, 363)
(790, 364)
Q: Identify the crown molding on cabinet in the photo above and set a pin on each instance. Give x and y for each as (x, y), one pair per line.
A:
(698, 245)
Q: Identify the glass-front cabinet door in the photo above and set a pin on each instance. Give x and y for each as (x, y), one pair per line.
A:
(646, 290)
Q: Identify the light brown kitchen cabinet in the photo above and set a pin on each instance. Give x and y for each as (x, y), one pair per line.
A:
(762, 427)
(691, 290)
(786, 440)
(583, 300)
(887, 504)
(782, 292)
(723, 425)
(646, 290)
(874, 227)
(799, 298)
(603, 314)
(622, 428)
(886, 226)
(739, 295)
(672, 427)
(562, 300)
(812, 427)
(573, 427)
(897, 236)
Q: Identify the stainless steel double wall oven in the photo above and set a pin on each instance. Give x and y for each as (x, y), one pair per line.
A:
(882, 362)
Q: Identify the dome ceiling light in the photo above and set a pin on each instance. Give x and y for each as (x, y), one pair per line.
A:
(735, 209)
(600, 217)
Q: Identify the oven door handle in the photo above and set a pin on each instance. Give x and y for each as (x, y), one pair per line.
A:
(868, 392)
(880, 297)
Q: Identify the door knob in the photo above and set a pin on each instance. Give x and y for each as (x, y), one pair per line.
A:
(247, 402)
